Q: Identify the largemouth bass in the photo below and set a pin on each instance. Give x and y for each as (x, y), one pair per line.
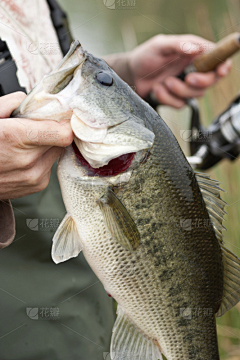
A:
(150, 228)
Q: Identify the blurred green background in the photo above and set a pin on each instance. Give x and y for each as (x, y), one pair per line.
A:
(104, 31)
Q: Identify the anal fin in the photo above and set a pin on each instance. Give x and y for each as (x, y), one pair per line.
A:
(66, 241)
(128, 342)
(231, 281)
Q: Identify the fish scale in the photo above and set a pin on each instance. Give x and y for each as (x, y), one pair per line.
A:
(137, 227)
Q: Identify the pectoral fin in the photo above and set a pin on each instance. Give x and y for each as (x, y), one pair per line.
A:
(66, 241)
(119, 221)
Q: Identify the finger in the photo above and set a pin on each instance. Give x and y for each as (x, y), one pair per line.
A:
(166, 98)
(27, 182)
(35, 176)
(181, 89)
(46, 162)
(224, 69)
(10, 102)
(188, 45)
(201, 80)
(31, 133)
(23, 159)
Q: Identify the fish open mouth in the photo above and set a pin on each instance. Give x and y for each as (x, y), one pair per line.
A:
(114, 167)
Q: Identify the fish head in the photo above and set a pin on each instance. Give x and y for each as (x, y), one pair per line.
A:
(104, 116)
(104, 121)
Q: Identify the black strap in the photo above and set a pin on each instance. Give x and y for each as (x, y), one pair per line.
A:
(60, 23)
(8, 72)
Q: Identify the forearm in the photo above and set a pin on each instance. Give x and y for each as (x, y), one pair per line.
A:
(120, 64)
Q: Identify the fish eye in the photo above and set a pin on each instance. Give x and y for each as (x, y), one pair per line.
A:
(104, 79)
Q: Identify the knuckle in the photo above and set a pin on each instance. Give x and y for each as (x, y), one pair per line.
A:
(43, 184)
(33, 177)
(20, 95)
(12, 135)
(178, 105)
(28, 162)
(68, 137)
(161, 94)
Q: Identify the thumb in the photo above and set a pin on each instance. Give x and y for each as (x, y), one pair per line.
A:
(10, 102)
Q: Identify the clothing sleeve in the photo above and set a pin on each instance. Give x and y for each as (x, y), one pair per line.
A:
(120, 64)
(7, 223)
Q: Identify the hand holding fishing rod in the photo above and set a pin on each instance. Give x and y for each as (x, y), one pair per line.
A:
(156, 64)
(222, 139)
(202, 71)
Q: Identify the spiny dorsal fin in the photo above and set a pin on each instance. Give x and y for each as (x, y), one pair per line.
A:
(214, 204)
(128, 342)
(231, 281)
(66, 241)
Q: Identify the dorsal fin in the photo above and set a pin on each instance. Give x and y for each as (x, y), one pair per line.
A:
(231, 264)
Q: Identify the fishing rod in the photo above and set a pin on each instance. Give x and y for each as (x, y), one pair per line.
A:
(222, 138)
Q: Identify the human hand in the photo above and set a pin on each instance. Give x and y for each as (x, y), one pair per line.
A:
(156, 63)
(28, 149)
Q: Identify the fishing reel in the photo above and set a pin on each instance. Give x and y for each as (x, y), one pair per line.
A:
(222, 138)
